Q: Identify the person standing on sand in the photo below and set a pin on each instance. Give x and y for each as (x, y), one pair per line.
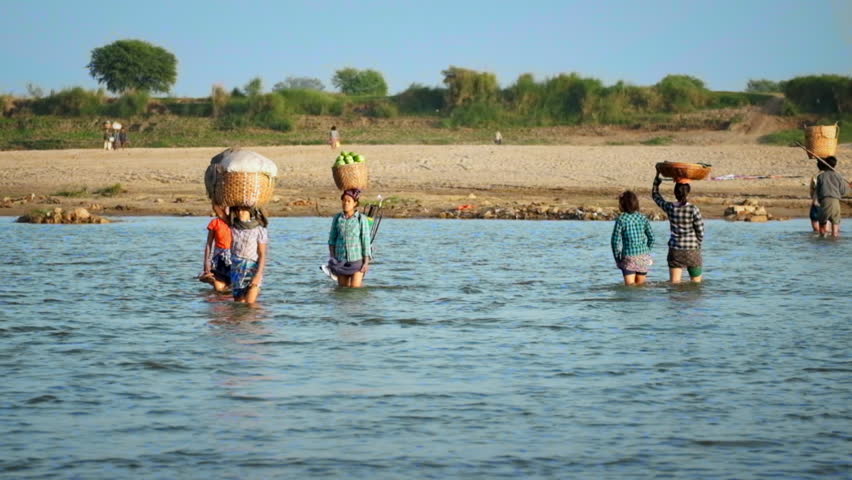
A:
(334, 138)
(687, 229)
(349, 243)
(107, 138)
(249, 239)
(122, 138)
(632, 239)
(830, 188)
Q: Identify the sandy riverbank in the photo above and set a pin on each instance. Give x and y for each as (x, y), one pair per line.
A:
(424, 180)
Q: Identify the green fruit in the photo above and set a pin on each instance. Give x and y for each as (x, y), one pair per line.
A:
(359, 158)
(349, 160)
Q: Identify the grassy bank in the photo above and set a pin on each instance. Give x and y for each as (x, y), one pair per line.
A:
(46, 132)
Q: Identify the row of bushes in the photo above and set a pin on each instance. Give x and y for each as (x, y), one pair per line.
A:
(469, 98)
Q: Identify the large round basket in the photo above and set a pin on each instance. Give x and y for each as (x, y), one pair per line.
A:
(683, 171)
(353, 175)
(821, 140)
(243, 189)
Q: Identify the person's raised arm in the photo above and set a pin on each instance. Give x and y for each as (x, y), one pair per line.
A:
(655, 193)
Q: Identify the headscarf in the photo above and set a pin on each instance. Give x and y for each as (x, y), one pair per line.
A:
(257, 219)
(352, 192)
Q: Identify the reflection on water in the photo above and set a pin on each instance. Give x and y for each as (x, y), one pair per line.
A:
(478, 349)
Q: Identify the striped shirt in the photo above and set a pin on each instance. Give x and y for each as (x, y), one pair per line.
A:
(633, 232)
(350, 237)
(685, 220)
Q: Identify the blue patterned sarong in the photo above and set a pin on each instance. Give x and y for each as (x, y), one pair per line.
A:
(220, 265)
(243, 271)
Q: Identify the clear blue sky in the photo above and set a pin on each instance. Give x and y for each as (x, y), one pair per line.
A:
(723, 42)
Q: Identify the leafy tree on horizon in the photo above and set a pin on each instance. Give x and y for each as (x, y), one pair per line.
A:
(352, 81)
(133, 65)
(254, 87)
(762, 85)
(299, 83)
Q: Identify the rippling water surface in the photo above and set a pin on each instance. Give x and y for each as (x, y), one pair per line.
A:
(480, 349)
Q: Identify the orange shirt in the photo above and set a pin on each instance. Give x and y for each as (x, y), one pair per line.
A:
(221, 232)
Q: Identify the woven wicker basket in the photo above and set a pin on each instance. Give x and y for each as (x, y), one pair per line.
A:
(683, 171)
(243, 189)
(353, 175)
(822, 140)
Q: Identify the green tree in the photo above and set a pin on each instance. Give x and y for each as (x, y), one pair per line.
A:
(352, 81)
(133, 65)
(820, 93)
(254, 87)
(299, 83)
(762, 85)
(682, 93)
(466, 86)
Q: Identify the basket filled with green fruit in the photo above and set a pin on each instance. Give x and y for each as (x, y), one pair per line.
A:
(350, 171)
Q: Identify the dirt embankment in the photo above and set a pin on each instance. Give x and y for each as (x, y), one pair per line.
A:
(415, 180)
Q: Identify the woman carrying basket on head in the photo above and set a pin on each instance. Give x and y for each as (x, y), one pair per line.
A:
(248, 252)
(687, 229)
(349, 243)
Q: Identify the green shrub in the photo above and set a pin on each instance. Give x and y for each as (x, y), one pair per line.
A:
(477, 114)
(128, 105)
(312, 102)
(266, 111)
(191, 108)
(820, 93)
(420, 100)
(665, 140)
(109, 191)
(70, 102)
(374, 107)
(682, 93)
(783, 137)
(79, 192)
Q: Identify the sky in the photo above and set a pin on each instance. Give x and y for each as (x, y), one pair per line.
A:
(723, 42)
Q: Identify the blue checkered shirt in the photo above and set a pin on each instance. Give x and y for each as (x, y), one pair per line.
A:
(350, 237)
(631, 236)
(685, 220)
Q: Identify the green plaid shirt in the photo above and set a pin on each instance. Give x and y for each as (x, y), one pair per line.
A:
(633, 231)
(350, 237)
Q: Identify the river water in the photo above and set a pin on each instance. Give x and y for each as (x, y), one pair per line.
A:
(480, 349)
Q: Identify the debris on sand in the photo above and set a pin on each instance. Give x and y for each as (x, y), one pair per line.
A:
(749, 210)
(58, 216)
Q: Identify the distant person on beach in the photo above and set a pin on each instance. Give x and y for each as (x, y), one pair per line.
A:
(217, 251)
(632, 239)
(830, 188)
(334, 137)
(108, 139)
(249, 239)
(498, 138)
(122, 138)
(349, 243)
(687, 228)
